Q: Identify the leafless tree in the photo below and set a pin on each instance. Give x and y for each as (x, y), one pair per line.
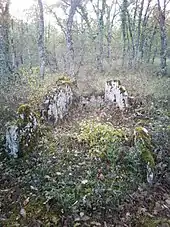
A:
(4, 38)
(69, 38)
(41, 45)
(163, 36)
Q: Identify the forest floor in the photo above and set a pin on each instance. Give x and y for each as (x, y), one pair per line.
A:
(60, 183)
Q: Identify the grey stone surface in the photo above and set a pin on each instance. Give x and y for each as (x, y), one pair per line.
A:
(115, 93)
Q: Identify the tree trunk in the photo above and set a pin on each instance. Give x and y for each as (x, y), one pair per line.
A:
(143, 32)
(163, 37)
(41, 45)
(69, 39)
(4, 40)
(110, 23)
(70, 48)
(154, 55)
(3, 65)
(123, 22)
(149, 54)
(137, 55)
(101, 35)
(13, 50)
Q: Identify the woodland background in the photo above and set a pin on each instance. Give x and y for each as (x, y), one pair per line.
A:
(59, 183)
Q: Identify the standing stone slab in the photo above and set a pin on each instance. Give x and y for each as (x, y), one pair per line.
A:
(115, 93)
(57, 103)
(12, 140)
(21, 133)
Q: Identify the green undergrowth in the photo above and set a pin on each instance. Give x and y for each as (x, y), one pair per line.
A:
(80, 176)
(106, 142)
(99, 137)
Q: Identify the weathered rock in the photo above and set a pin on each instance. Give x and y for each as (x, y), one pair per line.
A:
(12, 140)
(20, 134)
(57, 103)
(115, 93)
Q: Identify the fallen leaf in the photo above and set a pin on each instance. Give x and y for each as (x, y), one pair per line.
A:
(100, 176)
(55, 220)
(23, 212)
(167, 202)
(84, 181)
(77, 224)
(93, 223)
(58, 173)
(81, 214)
(85, 218)
(26, 201)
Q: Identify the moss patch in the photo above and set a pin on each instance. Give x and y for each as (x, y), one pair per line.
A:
(65, 80)
(153, 222)
(24, 112)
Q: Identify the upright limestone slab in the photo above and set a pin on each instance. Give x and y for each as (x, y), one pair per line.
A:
(116, 93)
(57, 103)
(20, 133)
(12, 140)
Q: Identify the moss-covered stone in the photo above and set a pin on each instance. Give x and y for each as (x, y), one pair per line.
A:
(24, 109)
(22, 134)
(144, 143)
(25, 115)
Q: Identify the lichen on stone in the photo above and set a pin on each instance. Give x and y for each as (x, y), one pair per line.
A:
(115, 93)
(21, 134)
(143, 143)
(56, 105)
(12, 140)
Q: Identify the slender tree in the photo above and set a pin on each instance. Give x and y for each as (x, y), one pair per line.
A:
(69, 38)
(123, 25)
(163, 36)
(4, 38)
(41, 45)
